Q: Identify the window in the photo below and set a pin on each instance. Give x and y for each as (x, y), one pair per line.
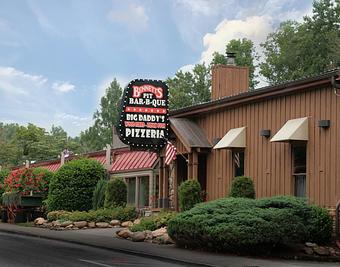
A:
(299, 170)
(238, 159)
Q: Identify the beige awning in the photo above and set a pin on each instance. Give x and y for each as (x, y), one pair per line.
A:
(235, 138)
(293, 130)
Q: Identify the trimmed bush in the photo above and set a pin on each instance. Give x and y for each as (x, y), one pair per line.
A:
(189, 194)
(153, 222)
(100, 215)
(71, 188)
(320, 226)
(242, 186)
(236, 224)
(99, 195)
(115, 193)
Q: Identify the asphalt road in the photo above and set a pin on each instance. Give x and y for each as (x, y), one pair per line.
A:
(25, 251)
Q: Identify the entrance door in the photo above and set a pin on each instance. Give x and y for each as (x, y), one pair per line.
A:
(299, 169)
(202, 172)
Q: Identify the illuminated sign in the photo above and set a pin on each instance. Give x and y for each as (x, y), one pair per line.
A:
(144, 116)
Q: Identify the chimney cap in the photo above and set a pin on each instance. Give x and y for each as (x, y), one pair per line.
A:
(231, 58)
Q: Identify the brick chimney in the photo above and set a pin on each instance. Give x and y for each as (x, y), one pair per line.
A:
(228, 80)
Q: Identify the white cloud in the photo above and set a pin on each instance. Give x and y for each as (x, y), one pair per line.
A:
(187, 68)
(18, 82)
(63, 87)
(133, 16)
(70, 120)
(202, 7)
(254, 28)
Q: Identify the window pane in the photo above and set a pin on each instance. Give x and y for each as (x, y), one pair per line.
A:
(144, 192)
(300, 185)
(238, 158)
(131, 185)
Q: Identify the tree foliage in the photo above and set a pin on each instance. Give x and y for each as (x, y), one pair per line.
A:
(189, 88)
(115, 193)
(105, 118)
(245, 55)
(296, 50)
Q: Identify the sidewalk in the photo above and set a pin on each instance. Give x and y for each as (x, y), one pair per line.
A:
(105, 238)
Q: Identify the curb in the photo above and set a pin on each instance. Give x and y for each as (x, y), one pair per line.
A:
(126, 251)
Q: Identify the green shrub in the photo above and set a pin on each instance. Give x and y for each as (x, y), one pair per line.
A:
(99, 195)
(115, 193)
(71, 188)
(236, 224)
(242, 186)
(189, 194)
(153, 222)
(319, 226)
(100, 215)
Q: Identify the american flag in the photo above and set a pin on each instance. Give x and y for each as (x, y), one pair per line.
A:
(170, 153)
(237, 159)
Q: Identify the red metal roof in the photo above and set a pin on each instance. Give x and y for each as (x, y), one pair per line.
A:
(133, 160)
(53, 167)
(100, 158)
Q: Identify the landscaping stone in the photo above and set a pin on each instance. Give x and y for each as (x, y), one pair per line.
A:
(75, 228)
(137, 221)
(309, 244)
(127, 224)
(66, 223)
(148, 235)
(308, 250)
(159, 232)
(125, 233)
(56, 223)
(115, 222)
(80, 224)
(40, 221)
(70, 226)
(138, 236)
(102, 225)
(322, 251)
(92, 225)
(163, 239)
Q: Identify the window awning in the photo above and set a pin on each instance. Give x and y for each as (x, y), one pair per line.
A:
(235, 138)
(293, 130)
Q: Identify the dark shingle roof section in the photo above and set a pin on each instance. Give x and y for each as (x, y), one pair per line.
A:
(190, 133)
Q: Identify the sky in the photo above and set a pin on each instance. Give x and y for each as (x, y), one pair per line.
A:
(57, 57)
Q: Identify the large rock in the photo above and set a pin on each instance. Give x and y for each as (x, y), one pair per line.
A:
(40, 221)
(92, 225)
(163, 239)
(148, 235)
(308, 250)
(115, 223)
(311, 245)
(137, 221)
(102, 225)
(138, 236)
(159, 232)
(322, 251)
(56, 223)
(70, 226)
(127, 224)
(125, 233)
(66, 223)
(80, 224)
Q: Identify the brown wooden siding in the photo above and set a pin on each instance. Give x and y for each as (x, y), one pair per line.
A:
(270, 164)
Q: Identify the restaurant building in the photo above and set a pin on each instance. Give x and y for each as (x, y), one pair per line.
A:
(285, 137)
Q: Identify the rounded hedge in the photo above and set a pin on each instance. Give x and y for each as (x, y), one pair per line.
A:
(189, 194)
(236, 224)
(71, 188)
(242, 186)
(116, 193)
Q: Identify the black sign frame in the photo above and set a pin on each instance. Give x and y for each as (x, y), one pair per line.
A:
(144, 115)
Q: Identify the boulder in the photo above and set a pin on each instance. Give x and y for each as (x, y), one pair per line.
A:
(138, 236)
(125, 233)
(91, 225)
(311, 245)
(66, 223)
(148, 235)
(163, 239)
(70, 226)
(137, 221)
(56, 223)
(322, 251)
(40, 221)
(80, 224)
(115, 222)
(127, 224)
(75, 228)
(308, 250)
(159, 232)
(102, 225)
